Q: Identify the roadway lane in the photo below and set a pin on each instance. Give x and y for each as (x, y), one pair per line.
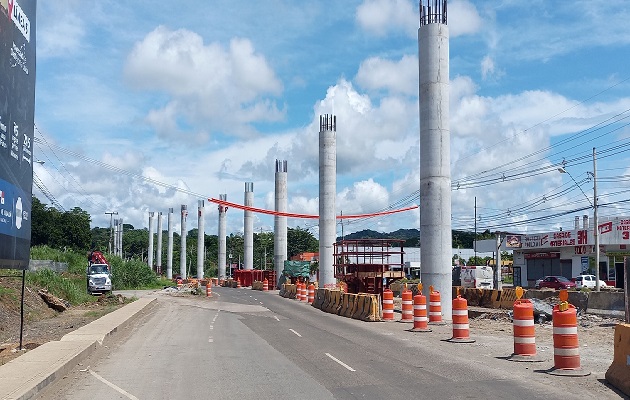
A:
(190, 348)
(245, 344)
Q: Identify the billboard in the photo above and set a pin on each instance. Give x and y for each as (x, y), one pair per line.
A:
(17, 107)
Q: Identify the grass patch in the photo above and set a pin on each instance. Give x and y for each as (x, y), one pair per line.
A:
(99, 313)
(69, 287)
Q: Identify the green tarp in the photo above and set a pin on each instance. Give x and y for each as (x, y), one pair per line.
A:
(297, 269)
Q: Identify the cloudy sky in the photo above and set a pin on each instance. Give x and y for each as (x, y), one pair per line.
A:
(148, 105)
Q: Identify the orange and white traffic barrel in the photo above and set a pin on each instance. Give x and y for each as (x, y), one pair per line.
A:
(304, 295)
(209, 288)
(238, 283)
(388, 305)
(461, 327)
(265, 285)
(524, 328)
(566, 351)
(420, 319)
(407, 306)
(311, 294)
(435, 307)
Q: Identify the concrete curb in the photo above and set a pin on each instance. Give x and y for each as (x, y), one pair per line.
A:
(24, 377)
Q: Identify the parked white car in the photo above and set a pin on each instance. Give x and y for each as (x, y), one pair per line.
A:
(588, 281)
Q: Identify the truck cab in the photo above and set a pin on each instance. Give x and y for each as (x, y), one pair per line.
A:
(99, 279)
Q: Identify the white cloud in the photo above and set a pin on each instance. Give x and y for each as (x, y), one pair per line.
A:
(397, 77)
(62, 32)
(380, 17)
(222, 89)
(463, 18)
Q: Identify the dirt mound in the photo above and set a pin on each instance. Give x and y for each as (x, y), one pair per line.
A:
(41, 323)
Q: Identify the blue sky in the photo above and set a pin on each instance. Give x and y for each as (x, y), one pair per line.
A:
(151, 105)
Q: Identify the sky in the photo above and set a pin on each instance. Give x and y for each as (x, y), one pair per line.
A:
(144, 106)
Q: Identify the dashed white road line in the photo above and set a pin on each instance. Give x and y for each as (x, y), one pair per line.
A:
(295, 333)
(349, 368)
(111, 385)
(210, 340)
(276, 317)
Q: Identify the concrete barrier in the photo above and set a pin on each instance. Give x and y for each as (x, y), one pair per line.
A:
(319, 298)
(618, 373)
(606, 302)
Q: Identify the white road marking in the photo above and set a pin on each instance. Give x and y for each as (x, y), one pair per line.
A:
(210, 340)
(295, 333)
(277, 319)
(341, 363)
(111, 385)
(261, 302)
(211, 327)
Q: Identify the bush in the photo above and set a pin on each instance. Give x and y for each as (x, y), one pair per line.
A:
(132, 274)
(69, 287)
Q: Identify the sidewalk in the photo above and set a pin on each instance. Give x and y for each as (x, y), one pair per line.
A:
(25, 376)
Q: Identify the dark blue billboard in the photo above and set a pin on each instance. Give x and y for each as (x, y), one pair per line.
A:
(17, 102)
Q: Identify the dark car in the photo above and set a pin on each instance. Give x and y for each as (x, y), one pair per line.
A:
(555, 282)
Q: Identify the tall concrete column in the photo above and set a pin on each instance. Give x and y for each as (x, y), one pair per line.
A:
(222, 240)
(200, 238)
(182, 249)
(169, 246)
(150, 251)
(435, 150)
(327, 194)
(280, 223)
(159, 243)
(248, 227)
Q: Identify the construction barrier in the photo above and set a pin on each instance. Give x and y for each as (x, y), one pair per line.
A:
(524, 328)
(209, 289)
(407, 306)
(461, 327)
(238, 283)
(566, 350)
(298, 291)
(505, 298)
(435, 308)
(420, 319)
(265, 286)
(619, 371)
(310, 294)
(362, 306)
(319, 298)
(388, 305)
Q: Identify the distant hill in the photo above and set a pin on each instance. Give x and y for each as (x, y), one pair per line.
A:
(462, 239)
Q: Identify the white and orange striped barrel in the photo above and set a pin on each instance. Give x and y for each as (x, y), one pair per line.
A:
(461, 327)
(310, 294)
(435, 307)
(407, 306)
(209, 288)
(420, 320)
(524, 328)
(388, 305)
(265, 285)
(566, 351)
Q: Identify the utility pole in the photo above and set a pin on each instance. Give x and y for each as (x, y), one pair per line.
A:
(111, 228)
(595, 222)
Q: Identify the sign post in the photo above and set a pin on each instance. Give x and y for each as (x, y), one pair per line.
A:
(17, 110)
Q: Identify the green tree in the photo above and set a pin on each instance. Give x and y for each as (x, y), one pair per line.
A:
(300, 241)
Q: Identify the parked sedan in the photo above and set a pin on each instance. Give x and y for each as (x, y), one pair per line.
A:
(555, 282)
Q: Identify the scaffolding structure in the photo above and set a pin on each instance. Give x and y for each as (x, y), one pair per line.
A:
(369, 265)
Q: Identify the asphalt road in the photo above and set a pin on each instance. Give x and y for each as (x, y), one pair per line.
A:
(245, 344)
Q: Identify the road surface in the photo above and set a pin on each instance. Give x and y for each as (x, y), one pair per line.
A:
(245, 344)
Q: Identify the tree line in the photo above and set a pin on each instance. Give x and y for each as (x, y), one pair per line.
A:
(70, 230)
